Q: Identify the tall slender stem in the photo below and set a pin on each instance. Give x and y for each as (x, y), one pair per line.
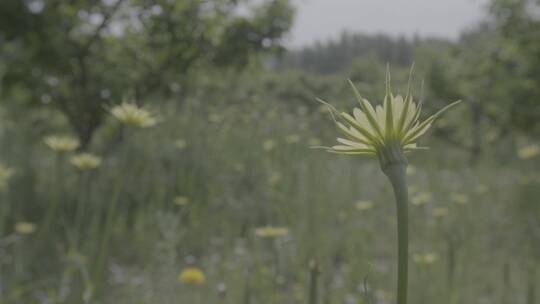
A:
(396, 174)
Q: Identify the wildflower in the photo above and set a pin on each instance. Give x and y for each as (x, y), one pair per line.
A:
(292, 138)
(388, 132)
(180, 144)
(181, 200)
(25, 228)
(529, 151)
(364, 205)
(85, 161)
(426, 258)
(421, 198)
(5, 175)
(192, 276)
(459, 198)
(269, 145)
(385, 131)
(440, 212)
(271, 232)
(61, 144)
(132, 115)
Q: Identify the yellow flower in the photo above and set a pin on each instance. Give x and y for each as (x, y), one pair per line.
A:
(5, 175)
(460, 198)
(529, 151)
(385, 130)
(85, 161)
(181, 200)
(440, 212)
(271, 232)
(132, 115)
(426, 258)
(421, 198)
(364, 205)
(61, 144)
(25, 228)
(192, 276)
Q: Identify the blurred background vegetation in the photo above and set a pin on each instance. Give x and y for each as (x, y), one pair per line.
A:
(222, 201)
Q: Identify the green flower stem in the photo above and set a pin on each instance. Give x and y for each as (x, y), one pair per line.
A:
(395, 171)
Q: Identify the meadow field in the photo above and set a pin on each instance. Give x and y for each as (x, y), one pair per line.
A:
(141, 168)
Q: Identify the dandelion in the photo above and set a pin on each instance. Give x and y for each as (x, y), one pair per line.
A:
(528, 152)
(271, 232)
(5, 175)
(387, 132)
(61, 144)
(364, 205)
(192, 276)
(132, 115)
(181, 200)
(85, 161)
(25, 228)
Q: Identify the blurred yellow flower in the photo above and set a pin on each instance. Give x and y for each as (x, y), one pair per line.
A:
(25, 228)
(421, 199)
(529, 151)
(269, 144)
(411, 170)
(181, 200)
(460, 198)
(192, 276)
(61, 144)
(85, 161)
(271, 232)
(5, 175)
(425, 258)
(440, 212)
(132, 115)
(364, 205)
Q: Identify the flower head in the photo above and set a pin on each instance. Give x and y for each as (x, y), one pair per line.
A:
(425, 258)
(61, 144)
(85, 161)
(271, 232)
(364, 205)
(529, 151)
(25, 228)
(385, 131)
(192, 276)
(132, 115)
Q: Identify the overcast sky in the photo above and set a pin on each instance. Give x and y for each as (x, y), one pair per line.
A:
(323, 19)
